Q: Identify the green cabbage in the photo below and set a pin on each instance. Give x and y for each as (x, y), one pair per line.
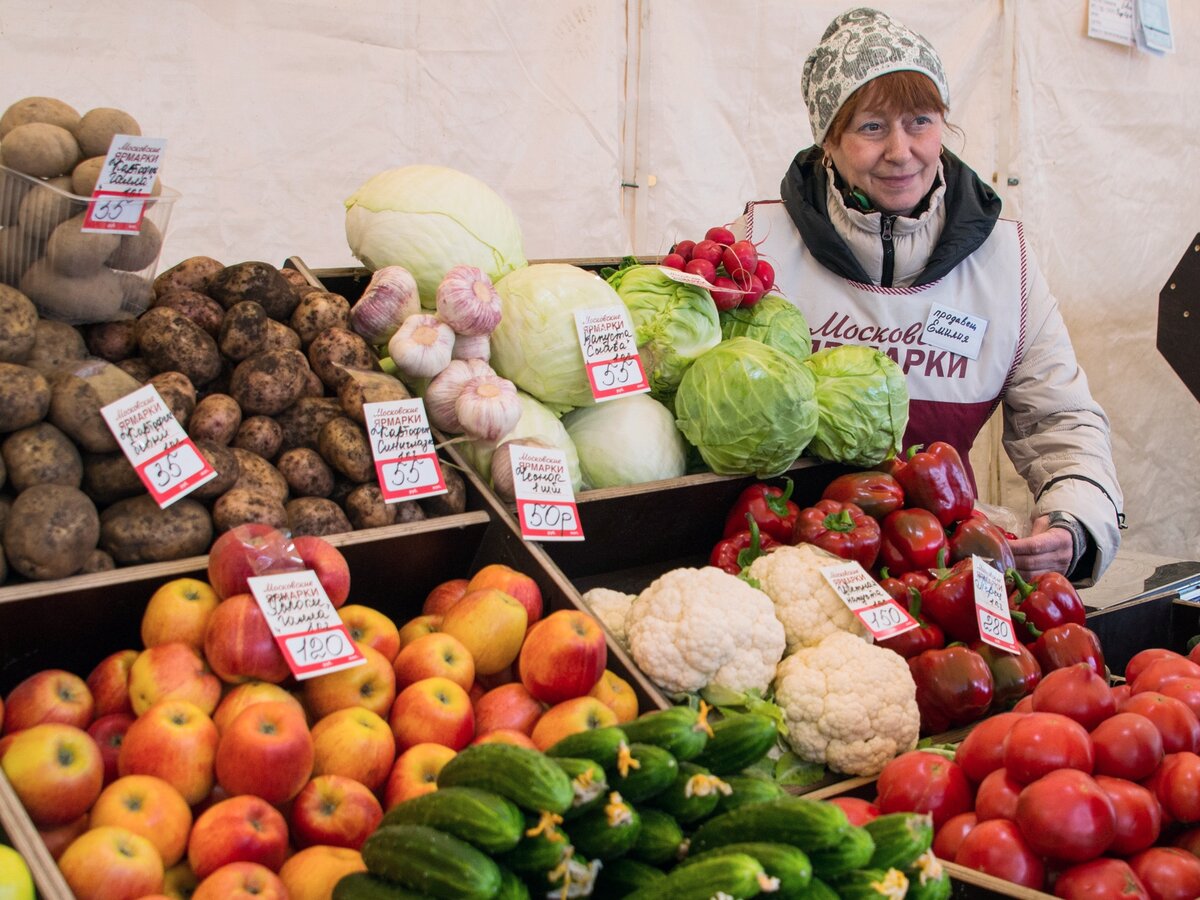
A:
(627, 440)
(862, 402)
(673, 323)
(748, 408)
(536, 422)
(775, 321)
(429, 219)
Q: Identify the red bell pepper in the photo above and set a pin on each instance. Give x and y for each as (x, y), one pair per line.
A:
(841, 528)
(1046, 601)
(976, 535)
(1013, 674)
(910, 539)
(935, 479)
(1066, 645)
(732, 554)
(954, 687)
(926, 636)
(875, 493)
(771, 507)
(950, 601)
(898, 586)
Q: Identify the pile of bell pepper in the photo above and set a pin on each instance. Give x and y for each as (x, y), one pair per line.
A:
(914, 525)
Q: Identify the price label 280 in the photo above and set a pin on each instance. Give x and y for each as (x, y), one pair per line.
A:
(991, 607)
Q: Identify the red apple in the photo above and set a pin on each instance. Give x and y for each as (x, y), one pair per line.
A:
(371, 685)
(109, 683)
(111, 863)
(415, 772)
(51, 695)
(444, 596)
(434, 710)
(570, 717)
(335, 811)
(58, 838)
(179, 611)
(247, 694)
(175, 741)
(241, 881)
(267, 750)
(56, 771)
(239, 645)
(371, 627)
(506, 736)
(312, 873)
(328, 563)
(617, 694)
(150, 807)
(438, 653)
(245, 551)
(507, 579)
(418, 626)
(173, 671)
(508, 706)
(239, 829)
(563, 656)
(109, 733)
(356, 743)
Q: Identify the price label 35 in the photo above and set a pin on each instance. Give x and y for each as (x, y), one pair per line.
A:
(175, 473)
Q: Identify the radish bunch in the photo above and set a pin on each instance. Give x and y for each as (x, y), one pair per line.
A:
(733, 268)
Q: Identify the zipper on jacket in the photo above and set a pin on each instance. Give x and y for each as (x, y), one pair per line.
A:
(889, 250)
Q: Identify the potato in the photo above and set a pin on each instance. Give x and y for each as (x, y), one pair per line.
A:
(18, 324)
(41, 454)
(366, 508)
(243, 331)
(344, 445)
(257, 281)
(334, 349)
(137, 369)
(85, 175)
(108, 477)
(5, 506)
(44, 206)
(95, 297)
(306, 473)
(303, 420)
(170, 341)
(193, 274)
(178, 393)
(258, 475)
(313, 386)
(451, 503)
(409, 512)
(13, 189)
(225, 462)
(77, 396)
(200, 308)
(56, 345)
(96, 129)
(294, 277)
(77, 253)
(112, 341)
(316, 516)
(137, 251)
(24, 397)
(39, 109)
(242, 505)
(41, 149)
(51, 531)
(280, 337)
(3, 478)
(261, 435)
(267, 383)
(98, 561)
(18, 251)
(317, 311)
(136, 531)
(215, 419)
(359, 387)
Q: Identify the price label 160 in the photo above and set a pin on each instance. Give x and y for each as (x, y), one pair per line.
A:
(175, 473)
(549, 520)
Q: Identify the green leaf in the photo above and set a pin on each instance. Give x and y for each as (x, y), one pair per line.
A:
(792, 771)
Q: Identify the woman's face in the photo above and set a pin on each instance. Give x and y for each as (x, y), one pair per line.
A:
(893, 159)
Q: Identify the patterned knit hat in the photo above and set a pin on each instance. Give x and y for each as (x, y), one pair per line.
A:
(858, 46)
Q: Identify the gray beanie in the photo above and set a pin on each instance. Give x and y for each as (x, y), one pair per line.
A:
(858, 46)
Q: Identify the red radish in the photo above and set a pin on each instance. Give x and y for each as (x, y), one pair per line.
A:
(701, 267)
(753, 293)
(673, 261)
(766, 274)
(684, 249)
(720, 234)
(725, 299)
(709, 250)
(738, 258)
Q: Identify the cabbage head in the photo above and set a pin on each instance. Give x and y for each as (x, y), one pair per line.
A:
(672, 322)
(862, 402)
(626, 440)
(429, 219)
(536, 422)
(748, 408)
(775, 321)
(536, 344)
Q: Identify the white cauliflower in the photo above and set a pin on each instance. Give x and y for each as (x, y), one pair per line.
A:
(804, 602)
(695, 627)
(848, 704)
(610, 607)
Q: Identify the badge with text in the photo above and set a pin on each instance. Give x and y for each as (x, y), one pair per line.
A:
(954, 330)
(610, 352)
(307, 628)
(545, 501)
(991, 606)
(126, 179)
(405, 460)
(156, 445)
(875, 608)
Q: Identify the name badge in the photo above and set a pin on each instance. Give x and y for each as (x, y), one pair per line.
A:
(954, 330)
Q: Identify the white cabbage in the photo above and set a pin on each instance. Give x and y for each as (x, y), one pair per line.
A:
(627, 440)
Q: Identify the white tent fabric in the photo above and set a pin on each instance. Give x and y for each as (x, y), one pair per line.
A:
(615, 127)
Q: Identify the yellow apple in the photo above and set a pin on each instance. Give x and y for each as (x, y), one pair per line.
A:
(507, 579)
(439, 653)
(371, 685)
(491, 625)
(570, 717)
(356, 743)
(432, 710)
(506, 736)
(173, 671)
(616, 693)
(312, 873)
(50, 695)
(148, 806)
(418, 626)
(179, 611)
(15, 876)
(56, 771)
(372, 628)
(241, 881)
(247, 694)
(109, 862)
(179, 881)
(415, 772)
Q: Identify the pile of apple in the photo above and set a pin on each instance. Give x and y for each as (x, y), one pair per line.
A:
(199, 766)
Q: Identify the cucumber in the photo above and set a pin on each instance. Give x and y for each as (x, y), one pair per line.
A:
(738, 740)
(541, 848)
(660, 840)
(424, 859)
(599, 744)
(365, 886)
(804, 823)
(511, 886)
(748, 789)
(487, 820)
(607, 832)
(692, 796)
(899, 839)
(852, 851)
(588, 781)
(526, 777)
(651, 771)
(871, 884)
(677, 730)
(817, 890)
(783, 861)
(736, 874)
(928, 878)
(623, 876)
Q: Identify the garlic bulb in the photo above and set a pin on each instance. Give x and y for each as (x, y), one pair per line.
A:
(390, 298)
(502, 474)
(442, 392)
(473, 346)
(422, 345)
(467, 301)
(488, 407)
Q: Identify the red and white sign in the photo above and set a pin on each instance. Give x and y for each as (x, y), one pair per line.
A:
(126, 178)
(156, 445)
(610, 354)
(405, 460)
(545, 501)
(875, 608)
(991, 606)
(307, 628)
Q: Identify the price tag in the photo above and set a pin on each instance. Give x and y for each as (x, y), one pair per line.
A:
(305, 624)
(610, 353)
(127, 176)
(991, 606)
(405, 461)
(875, 608)
(698, 281)
(545, 502)
(156, 445)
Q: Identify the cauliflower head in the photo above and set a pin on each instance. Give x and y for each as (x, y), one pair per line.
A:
(610, 607)
(695, 627)
(848, 704)
(804, 602)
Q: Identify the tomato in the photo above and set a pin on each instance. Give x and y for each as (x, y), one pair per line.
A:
(1066, 816)
(1159, 672)
(1168, 873)
(1110, 879)
(1077, 692)
(948, 838)
(918, 781)
(1128, 745)
(982, 750)
(1138, 662)
(1042, 742)
(1188, 840)
(1024, 705)
(1120, 693)
(998, 848)
(997, 796)
(1177, 786)
(1185, 689)
(1138, 815)
(1178, 725)
(857, 810)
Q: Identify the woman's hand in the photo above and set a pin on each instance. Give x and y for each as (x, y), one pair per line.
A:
(1045, 550)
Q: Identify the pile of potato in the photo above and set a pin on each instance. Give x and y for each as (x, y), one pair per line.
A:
(70, 275)
(264, 373)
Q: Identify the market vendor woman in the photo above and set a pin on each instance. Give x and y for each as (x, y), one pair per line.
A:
(884, 237)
